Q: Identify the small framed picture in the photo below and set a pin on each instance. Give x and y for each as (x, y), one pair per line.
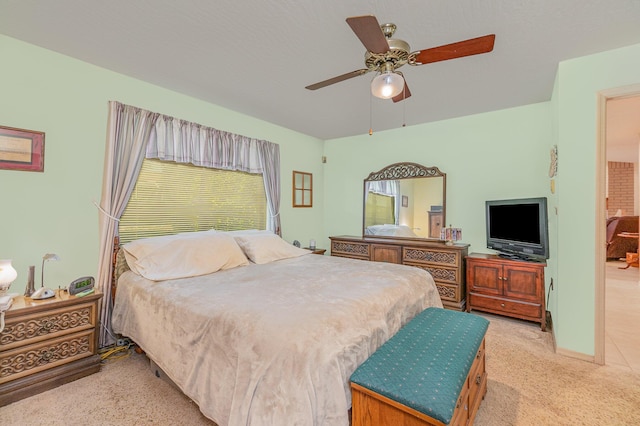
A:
(21, 149)
(405, 201)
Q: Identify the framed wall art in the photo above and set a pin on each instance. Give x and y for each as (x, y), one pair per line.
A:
(21, 149)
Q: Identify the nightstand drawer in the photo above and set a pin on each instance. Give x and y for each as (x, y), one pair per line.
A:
(36, 327)
(31, 359)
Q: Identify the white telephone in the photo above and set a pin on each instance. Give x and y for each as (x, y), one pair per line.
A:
(5, 304)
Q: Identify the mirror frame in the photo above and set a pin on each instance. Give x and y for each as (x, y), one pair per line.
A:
(405, 170)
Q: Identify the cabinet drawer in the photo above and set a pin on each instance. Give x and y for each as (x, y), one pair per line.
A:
(350, 249)
(498, 305)
(41, 356)
(442, 257)
(25, 330)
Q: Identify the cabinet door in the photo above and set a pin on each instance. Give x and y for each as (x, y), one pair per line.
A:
(484, 277)
(435, 224)
(386, 253)
(522, 283)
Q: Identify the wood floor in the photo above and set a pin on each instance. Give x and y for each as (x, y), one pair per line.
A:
(622, 316)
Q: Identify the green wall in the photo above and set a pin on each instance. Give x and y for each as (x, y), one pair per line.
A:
(68, 100)
(577, 85)
(505, 154)
(497, 155)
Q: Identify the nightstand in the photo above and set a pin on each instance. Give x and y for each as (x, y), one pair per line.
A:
(46, 343)
(316, 250)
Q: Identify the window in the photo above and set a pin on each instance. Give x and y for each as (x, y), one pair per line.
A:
(172, 197)
(302, 189)
(380, 210)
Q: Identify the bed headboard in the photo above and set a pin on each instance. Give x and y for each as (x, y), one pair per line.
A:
(118, 266)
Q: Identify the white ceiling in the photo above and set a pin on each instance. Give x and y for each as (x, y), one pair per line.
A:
(256, 57)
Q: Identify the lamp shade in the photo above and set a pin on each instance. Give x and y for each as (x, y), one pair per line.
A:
(7, 275)
(387, 85)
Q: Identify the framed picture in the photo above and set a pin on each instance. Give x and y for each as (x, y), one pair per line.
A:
(405, 201)
(21, 149)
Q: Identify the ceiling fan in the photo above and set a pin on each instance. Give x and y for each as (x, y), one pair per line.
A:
(385, 55)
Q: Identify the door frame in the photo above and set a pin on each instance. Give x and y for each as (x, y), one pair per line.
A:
(601, 212)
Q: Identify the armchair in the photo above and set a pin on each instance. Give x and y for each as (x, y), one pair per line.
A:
(617, 246)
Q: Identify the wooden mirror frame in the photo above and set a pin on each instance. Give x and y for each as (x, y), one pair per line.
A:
(399, 171)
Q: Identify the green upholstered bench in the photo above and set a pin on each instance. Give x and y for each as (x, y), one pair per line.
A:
(432, 372)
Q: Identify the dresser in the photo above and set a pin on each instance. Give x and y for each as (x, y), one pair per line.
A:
(445, 263)
(513, 288)
(46, 343)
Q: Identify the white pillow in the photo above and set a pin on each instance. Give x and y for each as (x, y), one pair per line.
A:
(184, 255)
(264, 248)
(138, 249)
(249, 232)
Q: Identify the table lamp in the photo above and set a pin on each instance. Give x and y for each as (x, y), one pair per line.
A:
(7, 275)
(44, 292)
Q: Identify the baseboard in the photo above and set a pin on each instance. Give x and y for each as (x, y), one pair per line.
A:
(576, 355)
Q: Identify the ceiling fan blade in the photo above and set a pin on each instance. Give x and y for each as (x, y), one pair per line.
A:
(403, 95)
(460, 49)
(337, 79)
(369, 32)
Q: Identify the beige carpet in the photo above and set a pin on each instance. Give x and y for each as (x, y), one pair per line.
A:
(528, 385)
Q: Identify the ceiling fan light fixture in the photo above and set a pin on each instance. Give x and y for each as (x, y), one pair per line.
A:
(387, 85)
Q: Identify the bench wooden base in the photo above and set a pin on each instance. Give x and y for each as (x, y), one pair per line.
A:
(370, 408)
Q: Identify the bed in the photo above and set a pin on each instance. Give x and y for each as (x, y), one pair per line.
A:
(390, 231)
(270, 337)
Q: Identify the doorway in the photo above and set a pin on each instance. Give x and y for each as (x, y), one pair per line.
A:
(617, 286)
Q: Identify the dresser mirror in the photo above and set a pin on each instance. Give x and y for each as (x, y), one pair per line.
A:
(404, 200)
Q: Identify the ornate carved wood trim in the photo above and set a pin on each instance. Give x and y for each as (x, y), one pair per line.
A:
(404, 170)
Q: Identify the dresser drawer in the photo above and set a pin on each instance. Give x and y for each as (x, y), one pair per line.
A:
(37, 357)
(439, 273)
(36, 327)
(441, 257)
(350, 249)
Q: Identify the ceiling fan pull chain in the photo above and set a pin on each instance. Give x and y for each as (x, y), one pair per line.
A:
(370, 113)
(404, 106)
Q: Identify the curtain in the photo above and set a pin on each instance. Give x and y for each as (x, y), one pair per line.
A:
(181, 141)
(134, 133)
(128, 131)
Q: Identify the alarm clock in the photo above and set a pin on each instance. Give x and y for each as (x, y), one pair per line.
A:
(81, 284)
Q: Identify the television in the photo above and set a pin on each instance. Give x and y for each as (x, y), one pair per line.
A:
(518, 228)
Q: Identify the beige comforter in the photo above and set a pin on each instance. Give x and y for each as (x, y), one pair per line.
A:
(271, 344)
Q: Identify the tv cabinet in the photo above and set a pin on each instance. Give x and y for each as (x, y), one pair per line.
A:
(514, 288)
(445, 263)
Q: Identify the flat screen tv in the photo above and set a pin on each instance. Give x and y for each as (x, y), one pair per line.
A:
(518, 228)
